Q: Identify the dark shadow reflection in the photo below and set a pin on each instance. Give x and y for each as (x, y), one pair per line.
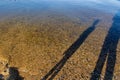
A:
(69, 52)
(14, 74)
(108, 51)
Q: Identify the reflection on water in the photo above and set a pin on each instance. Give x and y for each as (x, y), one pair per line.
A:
(67, 7)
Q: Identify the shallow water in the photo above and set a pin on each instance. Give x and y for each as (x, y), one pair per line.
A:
(58, 23)
(78, 9)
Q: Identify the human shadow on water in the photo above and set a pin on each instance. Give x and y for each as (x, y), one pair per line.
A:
(69, 52)
(108, 51)
(14, 74)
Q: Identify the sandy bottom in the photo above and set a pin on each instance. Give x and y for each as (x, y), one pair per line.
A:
(36, 48)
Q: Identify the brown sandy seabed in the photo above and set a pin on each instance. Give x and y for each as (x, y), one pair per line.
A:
(35, 48)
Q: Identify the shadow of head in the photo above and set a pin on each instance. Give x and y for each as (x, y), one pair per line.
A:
(117, 17)
(95, 22)
(14, 74)
(116, 22)
(93, 26)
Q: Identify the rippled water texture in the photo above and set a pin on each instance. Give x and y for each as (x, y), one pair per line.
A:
(71, 8)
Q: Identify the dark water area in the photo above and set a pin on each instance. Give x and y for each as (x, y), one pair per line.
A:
(78, 10)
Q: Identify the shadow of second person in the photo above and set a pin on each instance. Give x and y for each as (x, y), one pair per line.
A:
(108, 51)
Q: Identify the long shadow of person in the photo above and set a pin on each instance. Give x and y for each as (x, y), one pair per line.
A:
(69, 52)
(14, 74)
(108, 51)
